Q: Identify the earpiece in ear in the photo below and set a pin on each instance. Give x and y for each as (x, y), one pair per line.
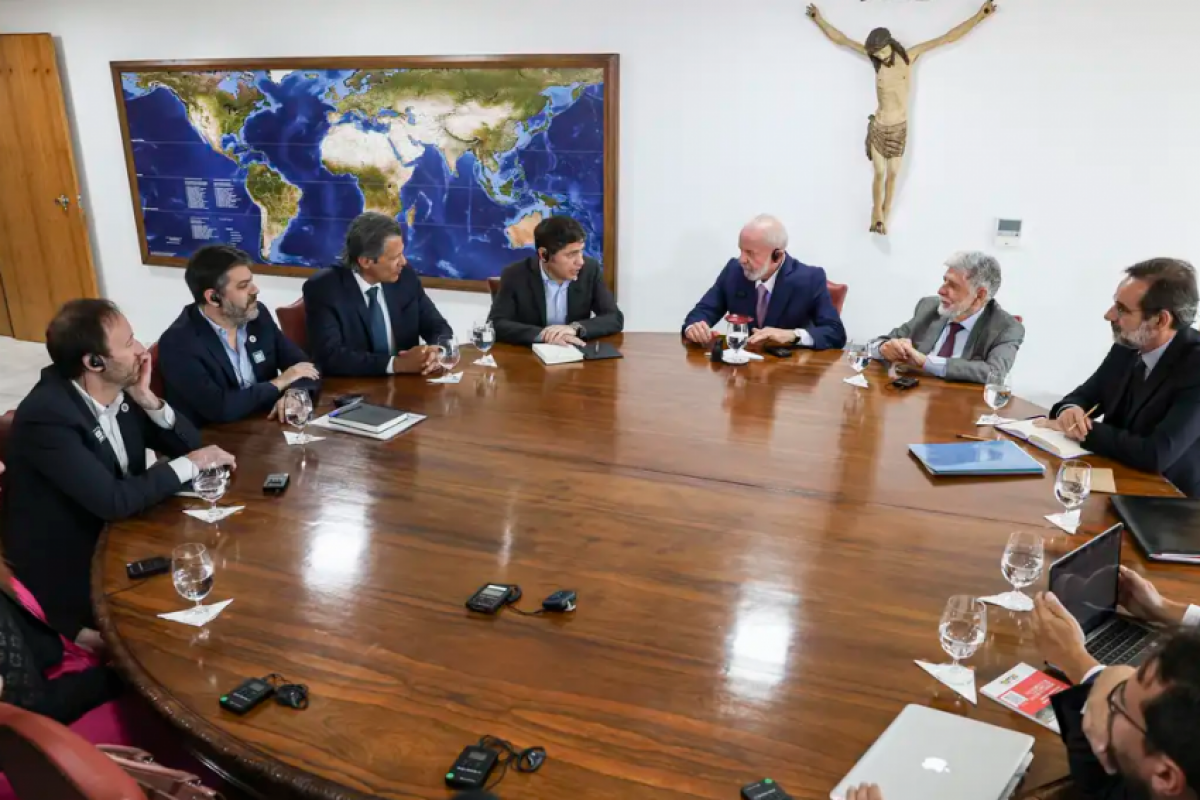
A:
(776, 255)
(216, 298)
(96, 362)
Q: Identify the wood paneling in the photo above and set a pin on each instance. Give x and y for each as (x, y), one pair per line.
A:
(758, 562)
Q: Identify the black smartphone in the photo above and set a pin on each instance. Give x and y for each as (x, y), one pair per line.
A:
(905, 382)
(276, 483)
(779, 351)
(148, 567)
(341, 401)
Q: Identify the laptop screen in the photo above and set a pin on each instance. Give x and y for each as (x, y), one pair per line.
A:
(1085, 580)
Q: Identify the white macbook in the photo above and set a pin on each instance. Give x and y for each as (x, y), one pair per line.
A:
(928, 755)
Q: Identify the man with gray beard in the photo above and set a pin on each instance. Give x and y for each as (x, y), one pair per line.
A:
(1147, 390)
(224, 358)
(962, 334)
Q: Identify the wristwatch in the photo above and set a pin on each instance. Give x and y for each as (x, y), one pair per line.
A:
(579, 330)
(796, 332)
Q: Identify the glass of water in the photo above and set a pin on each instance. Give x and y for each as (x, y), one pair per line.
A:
(1021, 565)
(963, 630)
(210, 485)
(1073, 485)
(192, 570)
(297, 410)
(447, 353)
(483, 336)
(998, 390)
(856, 355)
(739, 334)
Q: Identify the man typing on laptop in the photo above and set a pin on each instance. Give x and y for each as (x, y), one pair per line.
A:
(1129, 732)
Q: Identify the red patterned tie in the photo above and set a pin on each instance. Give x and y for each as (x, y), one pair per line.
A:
(947, 348)
(764, 299)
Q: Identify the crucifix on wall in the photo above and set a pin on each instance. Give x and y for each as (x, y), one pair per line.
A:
(887, 128)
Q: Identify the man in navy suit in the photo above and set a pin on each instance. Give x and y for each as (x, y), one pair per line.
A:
(224, 358)
(367, 315)
(788, 301)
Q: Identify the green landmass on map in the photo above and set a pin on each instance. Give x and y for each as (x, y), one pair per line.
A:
(374, 91)
(378, 193)
(200, 92)
(278, 199)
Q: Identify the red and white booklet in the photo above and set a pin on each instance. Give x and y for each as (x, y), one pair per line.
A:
(1027, 691)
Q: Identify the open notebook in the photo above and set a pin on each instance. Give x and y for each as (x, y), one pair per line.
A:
(1049, 440)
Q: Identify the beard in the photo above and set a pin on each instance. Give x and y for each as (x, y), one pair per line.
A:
(121, 375)
(1135, 341)
(240, 315)
(954, 310)
(756, 274)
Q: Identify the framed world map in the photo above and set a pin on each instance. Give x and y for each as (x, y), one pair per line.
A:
(277, 156)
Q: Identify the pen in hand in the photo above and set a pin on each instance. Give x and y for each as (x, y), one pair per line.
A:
(1088, 415)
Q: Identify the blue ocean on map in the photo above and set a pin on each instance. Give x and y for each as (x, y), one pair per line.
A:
(458, 218)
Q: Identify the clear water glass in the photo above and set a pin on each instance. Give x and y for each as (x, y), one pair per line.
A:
(192, 571)
(1073, 485)
(1022, 563)
(447, 353)
(963, 630)
(483, 336)
(297, 410)
(739, 334)
(998, 390)
(210, 485)
(856, 355)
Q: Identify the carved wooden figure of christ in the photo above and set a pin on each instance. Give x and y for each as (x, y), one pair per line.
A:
(887, 128)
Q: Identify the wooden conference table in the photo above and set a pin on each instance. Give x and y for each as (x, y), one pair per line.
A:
(757, 557)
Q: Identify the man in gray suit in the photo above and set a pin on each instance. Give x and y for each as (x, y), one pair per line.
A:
(962, 333)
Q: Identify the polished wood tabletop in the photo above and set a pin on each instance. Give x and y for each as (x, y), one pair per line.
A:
(757, 557)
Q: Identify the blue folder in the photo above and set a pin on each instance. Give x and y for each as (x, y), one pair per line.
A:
(1001, 457)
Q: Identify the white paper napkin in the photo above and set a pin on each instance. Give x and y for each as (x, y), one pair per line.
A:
(993, 419)
(859, 380)
(941, 671)
(213, 514)
(1013, 601)
(450, 377)
(301, 438)
(1067, 520)
(486, 361)
(198, 616)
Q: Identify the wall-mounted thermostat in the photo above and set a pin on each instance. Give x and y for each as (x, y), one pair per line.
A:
(1008, 232)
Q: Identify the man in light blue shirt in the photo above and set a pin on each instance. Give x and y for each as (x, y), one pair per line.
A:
(962, 334)
(556, 298)
(239, 357)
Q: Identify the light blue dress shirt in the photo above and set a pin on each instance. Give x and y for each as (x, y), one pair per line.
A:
(936, 365)
(1152, 358)
(238, 356)
(556, 299)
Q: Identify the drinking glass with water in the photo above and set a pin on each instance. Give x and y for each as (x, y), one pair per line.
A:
(857, 355)
(1073, 485)
(1021, 565)
(210, 485)
(998, 390)
(447, 353)
(739, 334)
(192, 571)
(483, 336)
(963, 629)
(297, 410)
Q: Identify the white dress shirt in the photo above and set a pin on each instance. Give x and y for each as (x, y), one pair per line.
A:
(365, 287)
(803, 337)
(107, 417)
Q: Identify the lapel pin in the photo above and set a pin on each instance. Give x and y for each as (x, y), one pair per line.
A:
(253, 338)
(124, 408)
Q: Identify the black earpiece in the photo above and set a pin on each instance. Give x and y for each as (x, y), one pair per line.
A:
(776, 255)
(216, 298)
(96, 362)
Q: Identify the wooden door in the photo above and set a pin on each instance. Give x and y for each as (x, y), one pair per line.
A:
(45, 255)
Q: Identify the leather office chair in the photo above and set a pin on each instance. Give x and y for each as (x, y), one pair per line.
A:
(156, 381)
(494, 286)
(837, 293)
(43, 759)
(1019, 318)
(292, 321)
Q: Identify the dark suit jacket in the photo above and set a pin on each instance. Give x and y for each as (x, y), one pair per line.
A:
(519, 310)
(1090, 779)
(1160, 431)
(339, 330)
(63, 484)
(993, 343)
(202, 384)
(800, 300)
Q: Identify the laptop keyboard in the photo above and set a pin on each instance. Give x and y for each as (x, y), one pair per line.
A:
(1120, 643)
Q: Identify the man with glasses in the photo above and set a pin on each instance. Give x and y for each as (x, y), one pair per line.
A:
(1130, 733)
(1148, 387)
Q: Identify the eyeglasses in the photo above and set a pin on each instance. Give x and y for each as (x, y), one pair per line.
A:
(1116, 705)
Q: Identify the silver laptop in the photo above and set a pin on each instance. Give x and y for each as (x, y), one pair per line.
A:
(926, 754)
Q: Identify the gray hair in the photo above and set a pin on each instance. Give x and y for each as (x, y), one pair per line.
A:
(980, 269)
(770, 229)
(367, 236)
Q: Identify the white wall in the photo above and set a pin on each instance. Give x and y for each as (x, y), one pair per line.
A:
(1079, 116)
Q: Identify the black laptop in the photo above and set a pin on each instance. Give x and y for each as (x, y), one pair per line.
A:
(1086, 581)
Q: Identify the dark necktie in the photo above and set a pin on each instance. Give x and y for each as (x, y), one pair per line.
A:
(947, 348)
(764, 300)
(379, 337)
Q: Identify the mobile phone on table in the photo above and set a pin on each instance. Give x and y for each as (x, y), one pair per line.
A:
(779, 351)
(148, 567)
(905, 382)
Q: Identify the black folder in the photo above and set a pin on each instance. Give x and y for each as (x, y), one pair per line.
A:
(599, 351)
(1167, 528)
